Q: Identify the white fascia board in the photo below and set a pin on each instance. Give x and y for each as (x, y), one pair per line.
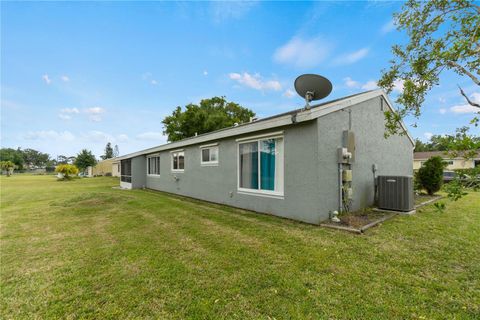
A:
(208, 145)
(390, 105)
(235, 131)
(339, 105)
(301, 116)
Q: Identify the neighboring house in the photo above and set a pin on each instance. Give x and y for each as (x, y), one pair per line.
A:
(115, 168)
(108, 167)
(458, 162)
(285, 165)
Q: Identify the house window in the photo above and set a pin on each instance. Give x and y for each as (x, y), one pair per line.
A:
(126, 170)
(209, 155)
(153, 166)
(449, 162)
(178, 161)
(260, 166)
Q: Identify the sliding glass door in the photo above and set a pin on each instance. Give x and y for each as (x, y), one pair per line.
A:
(261, 165)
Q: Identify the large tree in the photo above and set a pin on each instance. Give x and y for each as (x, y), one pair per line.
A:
(442, 35)
(34, 158)
(85, 159)
(13, 155)
(210, 115)
(108, 152)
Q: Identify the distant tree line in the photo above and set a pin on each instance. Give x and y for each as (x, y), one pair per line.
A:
(454, 144)
(29, 158)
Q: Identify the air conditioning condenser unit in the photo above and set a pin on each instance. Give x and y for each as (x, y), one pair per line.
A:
(395, 193)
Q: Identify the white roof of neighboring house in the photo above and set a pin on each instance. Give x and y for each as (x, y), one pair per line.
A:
(425, 155)
(279, 120)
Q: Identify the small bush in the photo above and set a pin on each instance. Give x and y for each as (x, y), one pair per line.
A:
(430, 175)
(8, 166)
(67, 171)
(108, 174)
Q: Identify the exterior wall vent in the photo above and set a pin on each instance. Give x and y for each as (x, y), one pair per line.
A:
(395, 193)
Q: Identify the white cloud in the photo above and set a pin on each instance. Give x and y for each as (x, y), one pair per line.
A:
(428, 135)
(148, 76)
(398, 86)
(64, 116)
(65, 113)
(98, 136)
(303, 53)
(255, 81)
(442, 110)
(95, 113)
(475, 97)
(50, 135)
(370, 85)
(157, 136)
(351, 57)
(70, 110)
(47, 79)
(349, 82)
(466, 108)
(205, 73)
(388, 27)
(289, 93)
(65, 78)
(442, 100)
(122, 137)
(224, 10)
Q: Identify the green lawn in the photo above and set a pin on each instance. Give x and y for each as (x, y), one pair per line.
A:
(81, 249)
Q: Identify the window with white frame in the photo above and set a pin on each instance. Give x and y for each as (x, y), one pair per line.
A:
(209, 155)
(153, 165)
(260, 166)
(178, 161)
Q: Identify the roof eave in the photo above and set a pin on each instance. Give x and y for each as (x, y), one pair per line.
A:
(274, 122)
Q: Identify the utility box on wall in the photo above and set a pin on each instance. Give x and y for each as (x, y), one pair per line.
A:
(395, 193)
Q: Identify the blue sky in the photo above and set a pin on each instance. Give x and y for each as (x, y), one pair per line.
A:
(77, 75)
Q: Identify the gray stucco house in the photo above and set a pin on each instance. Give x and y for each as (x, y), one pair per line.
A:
(286, 165)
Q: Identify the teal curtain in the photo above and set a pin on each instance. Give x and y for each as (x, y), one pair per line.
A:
(254, 174)
(249, 165)
(267, 165)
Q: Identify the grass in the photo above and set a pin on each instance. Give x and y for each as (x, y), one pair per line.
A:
(80, 249)
(423, 197)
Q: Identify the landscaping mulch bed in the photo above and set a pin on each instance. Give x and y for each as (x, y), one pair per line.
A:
(359, 221)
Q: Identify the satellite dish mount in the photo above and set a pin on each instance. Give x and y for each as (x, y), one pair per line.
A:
(312, 87)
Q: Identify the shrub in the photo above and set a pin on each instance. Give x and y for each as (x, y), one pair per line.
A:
(67, 171)
(430, 175)
(8, 166)
(417, 186)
